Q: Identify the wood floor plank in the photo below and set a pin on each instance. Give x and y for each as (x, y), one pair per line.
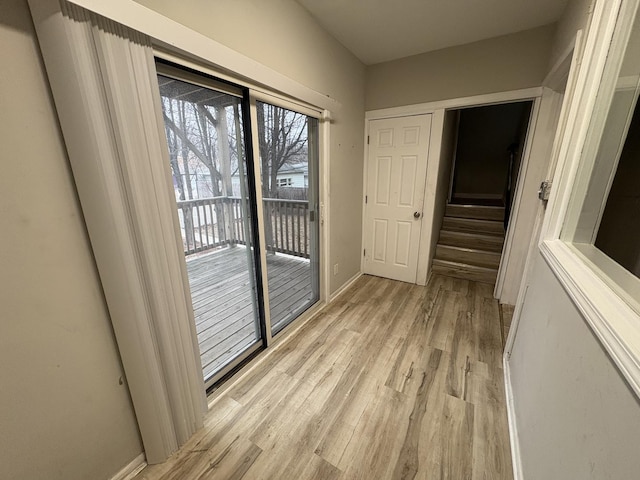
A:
(409, 459)
(390, 381)
(491, 453)
(377, 439)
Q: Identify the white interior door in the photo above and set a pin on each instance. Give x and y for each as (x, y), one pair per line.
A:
(396, 172)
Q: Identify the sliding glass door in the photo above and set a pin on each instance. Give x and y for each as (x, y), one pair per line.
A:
(288, 150)
(204, 129)
(220, 169)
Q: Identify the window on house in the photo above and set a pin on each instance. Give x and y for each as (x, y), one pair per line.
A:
(602, 222)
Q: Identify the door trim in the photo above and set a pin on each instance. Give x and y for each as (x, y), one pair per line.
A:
(454, 103)
(532, 136)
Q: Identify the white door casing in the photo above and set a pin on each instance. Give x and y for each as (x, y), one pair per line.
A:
(396, 172)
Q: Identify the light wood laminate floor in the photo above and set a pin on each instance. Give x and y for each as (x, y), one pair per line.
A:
(391, 381)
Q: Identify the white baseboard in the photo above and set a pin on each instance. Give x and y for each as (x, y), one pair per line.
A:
(345, 287)
(132, 469)
(516, 459)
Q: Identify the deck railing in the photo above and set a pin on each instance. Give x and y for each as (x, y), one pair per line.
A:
(214, 222)
(287, 226)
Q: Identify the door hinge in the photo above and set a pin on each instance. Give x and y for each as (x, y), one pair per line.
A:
(367, 139)
(545, 190)
(364, 252)
(366, 198)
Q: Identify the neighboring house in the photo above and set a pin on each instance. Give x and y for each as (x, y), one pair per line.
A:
(66, 405)
(296, 175)
(289, 176)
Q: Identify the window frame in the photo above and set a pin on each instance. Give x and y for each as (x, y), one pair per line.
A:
(208, 75)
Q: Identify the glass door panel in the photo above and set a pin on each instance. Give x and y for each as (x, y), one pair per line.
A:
(288, 147)
(204, 134)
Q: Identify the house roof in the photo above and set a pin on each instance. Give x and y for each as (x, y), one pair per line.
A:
(296, 168)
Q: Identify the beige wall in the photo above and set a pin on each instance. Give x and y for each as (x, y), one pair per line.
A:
(576, 416)
(575, 16)
(63, 413)
(500, 64)
(282, 35)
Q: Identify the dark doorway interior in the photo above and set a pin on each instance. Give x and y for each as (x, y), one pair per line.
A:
(488, 153)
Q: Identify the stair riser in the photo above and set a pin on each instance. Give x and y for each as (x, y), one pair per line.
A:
(475, 211)
(484, 277)
(457, 239)
(472, 226)
(475, 257)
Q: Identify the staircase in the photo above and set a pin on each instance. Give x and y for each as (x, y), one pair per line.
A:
(470, 242)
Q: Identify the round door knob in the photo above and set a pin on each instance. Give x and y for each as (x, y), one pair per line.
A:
(416, 214)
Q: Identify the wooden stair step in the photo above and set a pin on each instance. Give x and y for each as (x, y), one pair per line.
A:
(470, 256)
(464, 271)
(478, 212)
(492, 243)
(487, 227)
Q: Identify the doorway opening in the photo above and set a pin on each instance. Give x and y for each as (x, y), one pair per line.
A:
(487, 144)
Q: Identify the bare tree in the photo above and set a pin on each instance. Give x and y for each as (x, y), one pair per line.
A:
(205, 143)
(182, 182)
(282, 135)
(199, 136)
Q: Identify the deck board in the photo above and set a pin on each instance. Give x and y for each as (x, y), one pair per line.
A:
(221, 292)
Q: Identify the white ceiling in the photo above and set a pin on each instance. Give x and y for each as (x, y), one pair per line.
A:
(381, 30)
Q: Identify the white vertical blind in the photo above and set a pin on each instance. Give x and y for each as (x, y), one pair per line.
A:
(104, 85)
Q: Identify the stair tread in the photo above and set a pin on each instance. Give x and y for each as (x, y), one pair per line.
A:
(479, 212)
(469, 205)
(474, 220)
(471, 256)
(463, 266)
(452, 237)
(464, 271)
(469, 250)
(473, 225)
(471, 234)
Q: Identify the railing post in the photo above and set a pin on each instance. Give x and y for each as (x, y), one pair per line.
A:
(187, 217)
(268, 226)
(229, 221)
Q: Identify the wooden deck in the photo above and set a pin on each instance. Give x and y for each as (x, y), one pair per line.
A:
(224, 304)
